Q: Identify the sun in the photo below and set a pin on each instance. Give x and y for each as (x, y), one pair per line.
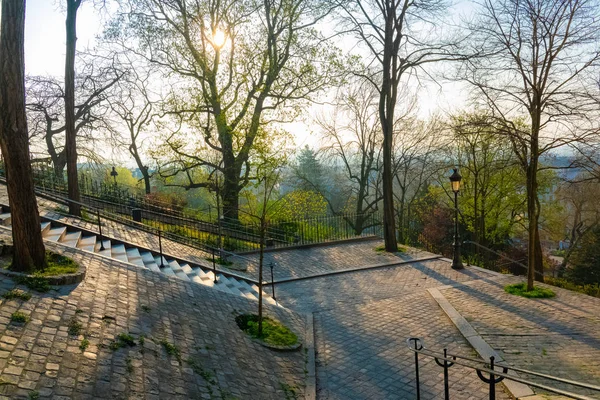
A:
(218, 38)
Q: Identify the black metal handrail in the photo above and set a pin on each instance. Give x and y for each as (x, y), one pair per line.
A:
(512, 262)
(447, 360)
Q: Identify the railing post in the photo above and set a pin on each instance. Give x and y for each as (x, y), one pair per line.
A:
(272, 281)
(446, 385)
(162, 264)
(416, 342)
(492, 380)
(214, 267)
(100, 230)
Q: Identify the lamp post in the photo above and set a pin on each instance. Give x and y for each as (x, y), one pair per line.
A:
(114, 174)
(455, 181)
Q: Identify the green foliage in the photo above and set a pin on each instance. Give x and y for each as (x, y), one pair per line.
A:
(591, 289)
(17, 294)
(220, 261)
(74, 327)
(84, 344)
(301, 204)
(129, 364)
(34, 395)
(171, 349)
(274, 332)
(585, 260)
(290, 392)
(197, 368)
(122, 340)
(20, 317)
(520, 289)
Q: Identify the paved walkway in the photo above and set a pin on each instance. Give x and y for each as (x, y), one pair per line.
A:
(216, 360)
(558, 336)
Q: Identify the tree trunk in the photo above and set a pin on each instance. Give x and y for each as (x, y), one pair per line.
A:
(71, 134)
(230, 196)
(29, 252)
(539, 257)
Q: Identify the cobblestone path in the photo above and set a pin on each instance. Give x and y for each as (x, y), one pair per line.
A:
(186, 343)
(558, 336)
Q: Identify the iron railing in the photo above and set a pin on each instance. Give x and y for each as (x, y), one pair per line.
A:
(232, 235)
(496, 373)
(496, 261)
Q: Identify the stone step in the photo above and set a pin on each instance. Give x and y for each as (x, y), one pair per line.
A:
(134, 257)
(71, 239)
(206, 282)
(118, 252)
(87, 243)
(45, 226)
(175, 266)
(187, 269)
(55, 234)
(182, 275)
(147, 257)
(164, 261)
(5, 219)
(167, 270)
(230, 283)
(153, 267)
(106, 252)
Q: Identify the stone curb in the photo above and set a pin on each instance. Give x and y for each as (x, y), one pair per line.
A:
(363, 268)
(516, 389)
(310, 392)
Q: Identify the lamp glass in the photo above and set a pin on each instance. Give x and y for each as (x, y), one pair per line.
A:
(455, 186)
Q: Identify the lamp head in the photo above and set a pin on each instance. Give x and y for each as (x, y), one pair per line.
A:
(455, 179)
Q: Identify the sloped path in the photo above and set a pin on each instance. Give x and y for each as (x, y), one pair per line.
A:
(217, 360)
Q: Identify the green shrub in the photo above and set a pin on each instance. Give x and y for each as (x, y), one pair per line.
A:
(591, 289)
(18, 316)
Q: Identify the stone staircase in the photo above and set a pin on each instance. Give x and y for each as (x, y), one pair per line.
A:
(71, 236)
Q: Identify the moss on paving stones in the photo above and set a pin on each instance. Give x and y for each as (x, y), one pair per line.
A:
(274, 332)
(59, 265)
(520, 289)
(17, 294)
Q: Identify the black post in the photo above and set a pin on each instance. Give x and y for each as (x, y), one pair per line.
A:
(214, 267)
(446, 386)
(100, 230)
(492, 380)
(272, 283)
(162, 264)
(456, 261)
(417, 369)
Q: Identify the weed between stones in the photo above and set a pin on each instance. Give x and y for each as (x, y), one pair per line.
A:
(17, 294)
(18, 316)
(84, 344)
(171, 349)
(122, 340)
(74, 327)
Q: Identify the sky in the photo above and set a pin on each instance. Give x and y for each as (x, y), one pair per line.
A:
(45, 54)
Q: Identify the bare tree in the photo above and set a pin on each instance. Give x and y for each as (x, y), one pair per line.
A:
(533, 77)
(402, 36)
(45, 103)
(29, 252)
(416, 160)
(133, 105)
(353, 137)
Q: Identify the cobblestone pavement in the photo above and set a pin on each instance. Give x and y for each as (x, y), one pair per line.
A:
(210, 358)
(558, 336)
(310, 261)
(362, 321)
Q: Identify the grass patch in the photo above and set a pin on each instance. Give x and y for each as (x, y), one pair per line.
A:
(17, 294)
(129, 364)
(59, 265)
(74, 327)
(34, 395)
(290, 392)
(274, 332)
(171, 349)
(520, 289)
(35, 282)
(18, 316)
(122, 340)
(197, 368)
(84, 344)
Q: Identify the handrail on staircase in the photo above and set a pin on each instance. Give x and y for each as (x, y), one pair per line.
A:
(497, 372)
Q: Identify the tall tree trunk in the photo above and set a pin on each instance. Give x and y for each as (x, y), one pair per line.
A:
(539, 257)
(230, 195)
(532, 214)
(71, 134)
(29, 253)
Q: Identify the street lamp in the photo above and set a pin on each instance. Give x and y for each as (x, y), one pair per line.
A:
(455, 181)
(114, 174)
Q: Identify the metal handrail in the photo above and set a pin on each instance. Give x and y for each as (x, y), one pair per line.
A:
(520, 264)
(447, 360)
